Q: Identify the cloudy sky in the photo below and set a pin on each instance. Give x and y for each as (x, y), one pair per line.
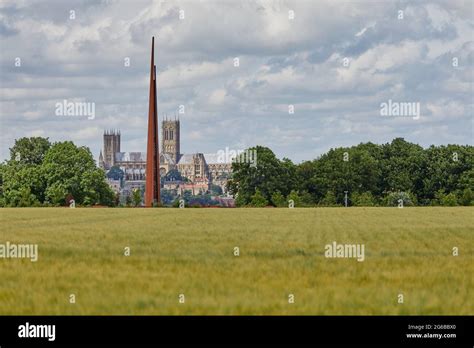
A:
(334, 61)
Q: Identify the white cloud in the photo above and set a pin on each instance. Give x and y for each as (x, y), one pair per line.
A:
(282, 62)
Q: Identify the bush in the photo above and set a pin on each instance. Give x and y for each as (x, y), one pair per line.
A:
(365, 199)
(449, 200)
(467, 197)
(240, 201)
(392, 199)
(306, 199)
(26, 198)
(329, 199)
(137, 197)
(293, 196)
(258, 200)
(278, 199)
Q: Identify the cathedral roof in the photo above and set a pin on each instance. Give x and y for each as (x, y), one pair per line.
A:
(133, 171)
(215, 158)
(141, 157)
(130, 156)
(166, 158)
(186, 158)
(210, 158)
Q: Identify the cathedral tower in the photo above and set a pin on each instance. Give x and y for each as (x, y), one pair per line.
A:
(111, 146)
(170, 139)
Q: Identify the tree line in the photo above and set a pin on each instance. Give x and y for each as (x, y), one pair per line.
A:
(40, 173)
(369, 174)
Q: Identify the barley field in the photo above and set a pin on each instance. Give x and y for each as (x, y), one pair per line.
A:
(408, 251)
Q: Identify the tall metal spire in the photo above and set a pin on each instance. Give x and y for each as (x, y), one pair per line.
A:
(152, 184)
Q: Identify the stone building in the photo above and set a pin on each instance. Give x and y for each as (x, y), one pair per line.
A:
(202, 170)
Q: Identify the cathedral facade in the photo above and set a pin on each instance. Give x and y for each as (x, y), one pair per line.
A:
(200, 170)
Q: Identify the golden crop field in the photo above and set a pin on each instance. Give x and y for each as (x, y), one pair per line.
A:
(191, 252)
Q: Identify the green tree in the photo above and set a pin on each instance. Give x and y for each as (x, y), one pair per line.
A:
(27, 199)
(69, 169)
(56, 193)
(22, 198)
(258, 199)
(402, 166)
(306, 198)
(95, 189)
(240, 201)
(329, 199)
(29, 151)
(449, 200)
(278, 200)
(306, 175)
(365, 199)
(136, 197)
(19, 178)
(467, 197)
(128, 200)
(117, 199)
(448, 168)
(268, 175)
(295, 198)
(355, 169)
(393, 199)
(21, 175)
(2, 197)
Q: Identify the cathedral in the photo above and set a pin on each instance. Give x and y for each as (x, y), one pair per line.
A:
(199, 170)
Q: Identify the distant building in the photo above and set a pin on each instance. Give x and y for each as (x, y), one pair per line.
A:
(201, 170)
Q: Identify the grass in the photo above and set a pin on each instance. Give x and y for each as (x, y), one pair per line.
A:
(190, 252)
